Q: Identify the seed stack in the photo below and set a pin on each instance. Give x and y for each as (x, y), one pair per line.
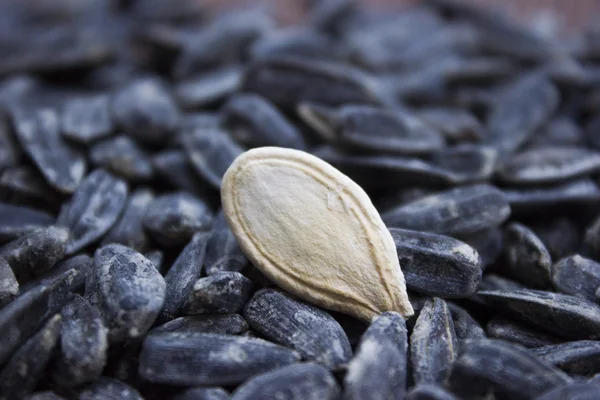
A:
(462, 144)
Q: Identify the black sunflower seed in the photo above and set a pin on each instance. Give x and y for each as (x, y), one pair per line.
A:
(208, 88)
(579, 391)
(428, 391)
(123, 157)
(9, 287)
(382, 352)
(225, 324)
(109, 389)
(437, 265)
(16, 221)
(456, 124)
(221, 293)
(577, 276)
(173, 167)
(433, 343)
(184, 359)
(25, 185)
(46, 395)
(78, 266)
(512, 331)
(489, 243)
(200, 393)
(86, 119)
(39, 134)
(307, 329)
(465, 327)
(581, 358)
(93, 209)
(223, 252)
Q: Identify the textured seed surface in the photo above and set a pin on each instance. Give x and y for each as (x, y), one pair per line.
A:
(577, 276)
(123, 157)
(129, 228)
(297, 381)
(309, 330)
(26, 366)
(199, 393)
(46, 395)
(528, 260)
(581, 358)
(222, 293)
(429, 391)
(82, 346)
(379, 367)
(455, 124)
(27, 186)
(109, 389)
(16, 221)
(484, 363)
(226, 324)
(433, 343)
(579, 391)
(576, 193)
(437, 265)
(207, 359)
(209, 87)
(463, 210)
(566, 316)
(517, 332)
(85, 120)
(9, 287)
(466, 328)
(93, 209)
(127, 289)
(62, 166)
(223, 253)
(182, 275)
(316, 207)
(174, 218)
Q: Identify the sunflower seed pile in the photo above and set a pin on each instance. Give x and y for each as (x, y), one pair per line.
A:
(476, 138)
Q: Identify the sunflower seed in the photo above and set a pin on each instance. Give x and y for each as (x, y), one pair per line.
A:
(78, 266)
(379, 368)
(225, 324)
(577, 276)
(129, 229)
(127, 289)
(561, 131)
(482, 364)
(581, 358)
(173, 167)
(506, 329)
(38, 133)
(214, 393)
(255, 121)
(9, 287)
(222, 293)
(457, 211)
(223, 253)
(123, 157)
(206, 359)
(579, 391)
(86, 119)
(156, 257)
(465, 327)
(209, 88)
(211, 153)
(46, 395)
(293, 382)
(9, 151)
(433, 343)
(25, 367)
(174, 218)
(455, 124)
(285, 180)
(16, 221)
(527, 258)
(428, 391)
(469, 163)
(309, 330)
(182, 275)
(109, 389)
(488, 243)
(566, 316)
(295, 42)
(561, 236)
(145, 110)
(83, 344)
(24, 185)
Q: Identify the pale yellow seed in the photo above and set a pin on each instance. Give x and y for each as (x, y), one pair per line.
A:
(314, 232)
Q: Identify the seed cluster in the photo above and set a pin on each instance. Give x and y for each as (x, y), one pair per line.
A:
(457, 154)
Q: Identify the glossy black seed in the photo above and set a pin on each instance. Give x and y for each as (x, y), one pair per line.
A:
(468, 163)
(305, 328)
(433, 343)
(109, 389)
(457, 125)
(294, 382)
(16, 221)
(25, 367)
(129, 229)
(182, 275)
(172, 219)
(211, 153)
(288, 81)
(513, 331)
(221, 293)
(123, 157)
(379, 368)
(560, 235)
(483, 365)
(527, 259)
(579, 391)
(577, 276)
(93, 209)
(79, 265)
(437, 265)
(581, 358)
(47, 395)
(145, 110)
(187, 359)
(429, 391)
(127, 289)
(488, 243)
(255, 121)
(457, 211)
(566, 316)
(36, 252)
(225, 324)
(39, 135)
(173, 167)
(200, 393)
(23, 316)
(519, 110)
(83, 344)
(86, 119)
(465, 327)
(25, 185)
(9, 287)
(208, 88)
(223, 253)
(550, 165)
(496, 282)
